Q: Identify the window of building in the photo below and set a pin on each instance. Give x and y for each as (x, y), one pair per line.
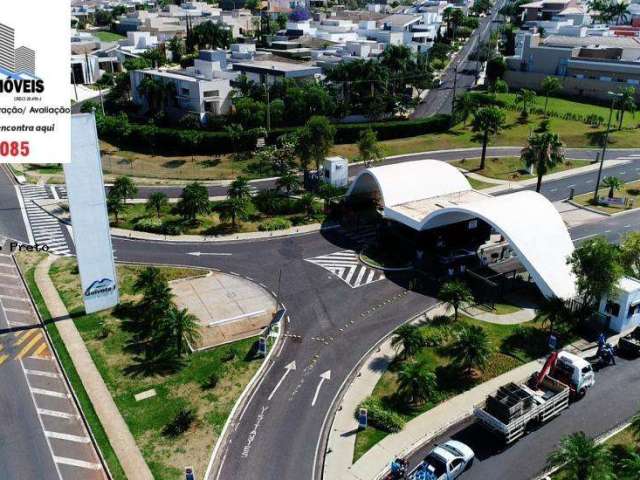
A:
(184, 91)
(212, 93)
(612, 309)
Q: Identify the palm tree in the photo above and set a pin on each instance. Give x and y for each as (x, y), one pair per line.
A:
(489, 121)
(409, 338)
(114, 205)
(184, 329)
(618, 11)
(613, 184)
(630, 467)
(526, 98)
(465, 105)
(581, 458)
(148, 277)
(626, 103)
(416, 383)
(239, 188)
(544, 152)
(124, 187)
(550, 85)
(471, 348)
(156, 92)
(289, 182)
(455, 294)
(307, 203)
(157, 201)
(194, 200)
(233, 209)
(555, 310)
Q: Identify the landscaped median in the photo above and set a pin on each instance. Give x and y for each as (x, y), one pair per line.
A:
(609, 202)
(186, 398)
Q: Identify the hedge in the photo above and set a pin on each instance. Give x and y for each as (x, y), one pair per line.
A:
(171, 141)
(381, 418)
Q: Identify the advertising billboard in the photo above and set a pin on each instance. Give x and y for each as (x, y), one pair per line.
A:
(89, 217)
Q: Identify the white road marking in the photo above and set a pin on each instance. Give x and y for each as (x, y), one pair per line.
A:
(49, 393)
(67, 437)
(77, 463)
(42, 373)
(346, 265)
(325, 376)
(16, 310)
(288, 368)
(57, 414)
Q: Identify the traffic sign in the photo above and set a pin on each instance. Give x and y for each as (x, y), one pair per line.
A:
(262, 346)
(363, 417)
(553, 342)
(189, 473)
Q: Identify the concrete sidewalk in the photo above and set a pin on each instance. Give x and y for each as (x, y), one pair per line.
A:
(114, 425)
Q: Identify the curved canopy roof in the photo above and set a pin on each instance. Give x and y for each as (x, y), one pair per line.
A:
(430, 193)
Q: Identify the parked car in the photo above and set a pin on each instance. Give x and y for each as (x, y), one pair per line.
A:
(445, 462)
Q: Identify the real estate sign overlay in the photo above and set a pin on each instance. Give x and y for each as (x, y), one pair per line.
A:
(34, 81)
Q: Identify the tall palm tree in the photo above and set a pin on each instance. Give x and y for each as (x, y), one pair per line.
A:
(471, 348)
(233, 209)
(525, 97)
(409, 338)
(239, 188)
(416, 383)
(307, 203)
(613, 184)
(555, 310)
(618, 11)
(465, 105)
(146, 278)
(288, 182)
(582, 458)
(544, 152)
(626, 102)
(183, 329)
(489, 121)
(115, 206)
(124, 187)
(194, 200)
(455, 294)
(157, 201)
(550, 85)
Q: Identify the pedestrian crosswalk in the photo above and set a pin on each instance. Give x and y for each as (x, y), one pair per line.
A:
(347, 267)
(45, 229)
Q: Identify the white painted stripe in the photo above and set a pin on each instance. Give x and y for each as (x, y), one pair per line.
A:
(42, 373)
(16, 310)
(352, 270)
(27, 226)
(77, 463)
(9, 275)
(49, 393)
(337, 264)
(370, 277)
(54, 192)
(361, 273)
(13, 297)
(57, 414)
(67, 436)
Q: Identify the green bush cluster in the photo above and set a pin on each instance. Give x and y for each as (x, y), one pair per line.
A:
(154, 225)
(278, 223)
(118, 131)
(381, 418)
(592, 119)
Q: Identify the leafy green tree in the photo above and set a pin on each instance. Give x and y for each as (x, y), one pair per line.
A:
(307, 203)
(147, 278)
(471, 348)
(124, 188)
(581, 458)
(525, 97)
(465, 106)
(630, 254)
(288, 182)
(239, 188)
(543, 152)
(409, 339)
(455, 294)
(613, 184)
(596, 265)
(416, 383)
(157, 201)
(626, 102)
(630, 467)
(496, 67)
(177, 48)
(156, 92)
(183, 329)
(489, 121)
(555, 311)
(315, 141)
(194, 201)
(368, 147)
(635, 426)
(212, 35)
(115, 205)
(549, 86)
(234, 209)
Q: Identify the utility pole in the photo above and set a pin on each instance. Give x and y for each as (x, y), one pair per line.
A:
(604, 145)
(455, 88)
(266, 88)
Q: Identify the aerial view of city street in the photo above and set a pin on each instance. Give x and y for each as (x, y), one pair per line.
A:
(322, 240)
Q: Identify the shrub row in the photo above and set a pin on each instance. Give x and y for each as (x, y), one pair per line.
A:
(278, 223)
(592, 119)
(154, 225)
(118, 131)
(381, 418)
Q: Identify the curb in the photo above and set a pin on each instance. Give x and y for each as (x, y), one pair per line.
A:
(362, 257)
(593, 210)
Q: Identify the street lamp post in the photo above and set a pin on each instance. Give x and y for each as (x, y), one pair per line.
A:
(604, 145)
(455, 88)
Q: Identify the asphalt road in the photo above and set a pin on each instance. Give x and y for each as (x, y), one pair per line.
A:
(439, 100)
(611, 402)
(11, 222)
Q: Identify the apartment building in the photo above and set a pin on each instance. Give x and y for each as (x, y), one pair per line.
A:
(25, 61)
(7, 48)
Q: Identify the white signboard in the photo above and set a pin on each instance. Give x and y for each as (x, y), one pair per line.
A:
(35, 113)
(89, 218)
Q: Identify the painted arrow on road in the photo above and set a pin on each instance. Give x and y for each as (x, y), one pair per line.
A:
(197, 254)
(288, 368)
(325, 376)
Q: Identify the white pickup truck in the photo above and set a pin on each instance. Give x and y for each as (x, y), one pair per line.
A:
(444, 462)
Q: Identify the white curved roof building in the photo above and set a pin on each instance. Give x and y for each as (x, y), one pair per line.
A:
(429, 193)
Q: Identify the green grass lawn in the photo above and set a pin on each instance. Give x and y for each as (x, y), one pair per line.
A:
(508, 168)
(631, 191)
(183, 388)
(211, 224)
(107, 36)
(512, 346)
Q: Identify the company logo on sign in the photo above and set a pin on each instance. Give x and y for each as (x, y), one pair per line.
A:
(100, 287)
(17, 65)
